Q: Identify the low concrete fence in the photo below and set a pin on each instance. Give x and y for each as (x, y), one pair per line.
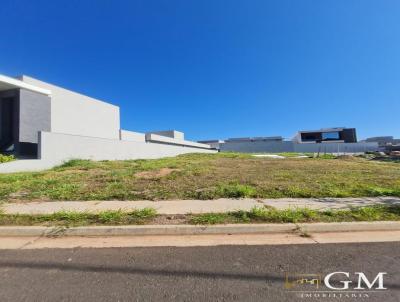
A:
(288, 146)
(258, 146)
(337, 147)
(56, 148)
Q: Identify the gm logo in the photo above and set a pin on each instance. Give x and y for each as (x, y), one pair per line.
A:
(336, 281)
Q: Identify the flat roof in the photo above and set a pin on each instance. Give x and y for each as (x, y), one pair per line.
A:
(211, 141)
(7, 83)
(249, 139)
(325, 130)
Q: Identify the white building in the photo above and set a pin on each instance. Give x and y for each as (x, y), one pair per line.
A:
(46, 125)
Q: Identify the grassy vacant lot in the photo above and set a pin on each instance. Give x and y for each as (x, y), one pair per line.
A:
(255, 215)
(205, 176)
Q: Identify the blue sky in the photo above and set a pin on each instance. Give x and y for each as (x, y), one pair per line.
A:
(217, 68)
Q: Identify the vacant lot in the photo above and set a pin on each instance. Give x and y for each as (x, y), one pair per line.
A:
(205, 176)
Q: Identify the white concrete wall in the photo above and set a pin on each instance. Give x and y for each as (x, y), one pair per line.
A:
(359, 147)
(214, 145)
(77, 114)
(132, 136)
(169, 133)
(257, 146)
(151, 137)
(289, 146)
(61, 147)
(56, 148)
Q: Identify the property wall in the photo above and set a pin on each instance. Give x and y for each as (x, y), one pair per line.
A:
(56, 147)
(169, 133)
(337, 147)
(34, 115)
(257, 146)
(160, 139)
(288, 146)
(132, 136)
(74, 113)
(212, 144)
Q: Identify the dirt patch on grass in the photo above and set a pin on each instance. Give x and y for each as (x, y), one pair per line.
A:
(155, 174)
(171, 219)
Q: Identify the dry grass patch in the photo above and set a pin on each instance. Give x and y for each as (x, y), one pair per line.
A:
(155, 174)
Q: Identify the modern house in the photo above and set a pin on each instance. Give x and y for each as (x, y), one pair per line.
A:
(327, 135)
(49, 124)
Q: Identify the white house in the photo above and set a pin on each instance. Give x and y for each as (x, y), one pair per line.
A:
(44, 125)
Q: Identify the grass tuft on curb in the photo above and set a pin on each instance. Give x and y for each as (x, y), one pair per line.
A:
(71, 218)
(255, 215)
(301, 215)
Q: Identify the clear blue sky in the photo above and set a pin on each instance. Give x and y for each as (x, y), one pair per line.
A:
(217, 68)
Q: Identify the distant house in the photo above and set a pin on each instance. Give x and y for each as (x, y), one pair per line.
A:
(338, 135)
(386, 143)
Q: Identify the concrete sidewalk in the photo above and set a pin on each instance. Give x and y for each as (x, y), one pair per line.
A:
(193, 206)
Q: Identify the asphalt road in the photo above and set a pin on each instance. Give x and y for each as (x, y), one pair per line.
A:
(224, 273)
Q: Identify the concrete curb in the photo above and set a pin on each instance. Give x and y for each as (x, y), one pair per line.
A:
(321, 227)
(143, 230)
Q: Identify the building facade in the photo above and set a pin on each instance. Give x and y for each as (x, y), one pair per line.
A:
(338, 135)
(45, 122)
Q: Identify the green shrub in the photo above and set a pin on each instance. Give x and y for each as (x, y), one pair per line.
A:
(65, 216)
(143, 213)
(377, 191)
(110, 216)
(236, 191)
(209, 218)
(6, 158)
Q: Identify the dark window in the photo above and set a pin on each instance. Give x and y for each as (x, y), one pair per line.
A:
(309, 137)
(6, 124)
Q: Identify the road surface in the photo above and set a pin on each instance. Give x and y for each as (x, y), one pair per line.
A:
(219, 273)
